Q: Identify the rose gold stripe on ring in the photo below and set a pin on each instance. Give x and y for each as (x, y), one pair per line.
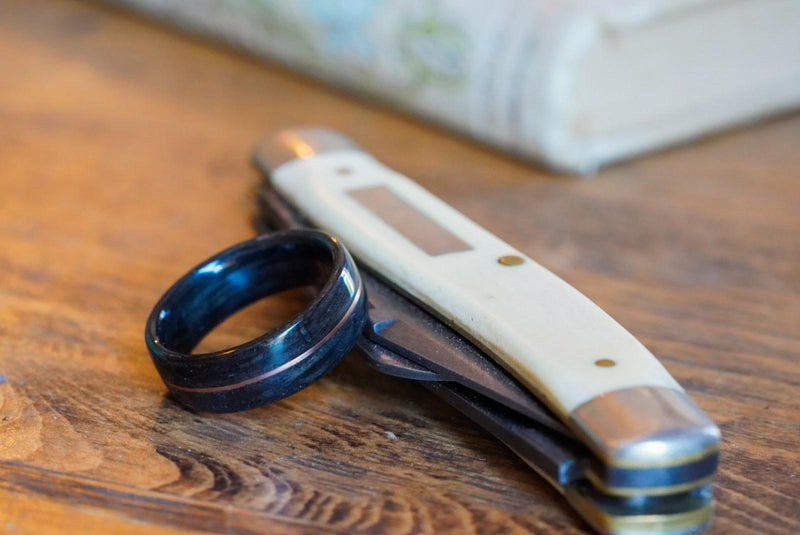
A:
(299, 358)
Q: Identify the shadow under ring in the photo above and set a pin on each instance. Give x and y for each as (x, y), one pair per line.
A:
(280, 362)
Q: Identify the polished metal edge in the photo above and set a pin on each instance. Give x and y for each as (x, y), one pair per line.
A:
(298, 143)
(666, 490)
(674, 523)
(645, 426)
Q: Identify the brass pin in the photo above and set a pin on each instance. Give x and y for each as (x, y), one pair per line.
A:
(605, 363)
(511, 260)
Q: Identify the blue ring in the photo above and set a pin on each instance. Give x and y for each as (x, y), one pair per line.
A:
(283, 360)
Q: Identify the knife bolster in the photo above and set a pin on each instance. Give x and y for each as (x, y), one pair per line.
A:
(302, 143)
(645, 426)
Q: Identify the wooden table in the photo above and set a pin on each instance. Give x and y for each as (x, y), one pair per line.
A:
(123, 162)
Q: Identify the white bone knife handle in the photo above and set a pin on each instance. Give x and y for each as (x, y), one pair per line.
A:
(587, 368)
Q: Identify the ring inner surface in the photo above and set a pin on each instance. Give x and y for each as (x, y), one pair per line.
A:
(219, 288)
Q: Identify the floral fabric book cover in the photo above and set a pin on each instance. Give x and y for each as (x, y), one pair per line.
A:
(572, 83)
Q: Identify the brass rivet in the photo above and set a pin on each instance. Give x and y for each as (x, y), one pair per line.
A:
(605, 363)
(511, 260)
(344, 170)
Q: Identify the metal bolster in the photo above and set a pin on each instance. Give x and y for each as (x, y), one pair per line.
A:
(646, 426)
(302, 142)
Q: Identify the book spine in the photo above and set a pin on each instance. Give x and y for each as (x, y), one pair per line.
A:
(484, 72)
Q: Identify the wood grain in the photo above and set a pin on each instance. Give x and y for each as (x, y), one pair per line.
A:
(123, 152)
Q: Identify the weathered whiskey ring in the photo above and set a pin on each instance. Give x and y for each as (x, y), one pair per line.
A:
(283, 360)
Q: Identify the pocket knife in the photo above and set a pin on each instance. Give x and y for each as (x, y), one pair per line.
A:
(503, 340)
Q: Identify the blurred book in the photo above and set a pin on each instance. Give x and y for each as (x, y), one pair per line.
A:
(572, 83)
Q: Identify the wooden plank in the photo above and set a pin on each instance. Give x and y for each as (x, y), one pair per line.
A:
(45, 501)
(124, 162)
